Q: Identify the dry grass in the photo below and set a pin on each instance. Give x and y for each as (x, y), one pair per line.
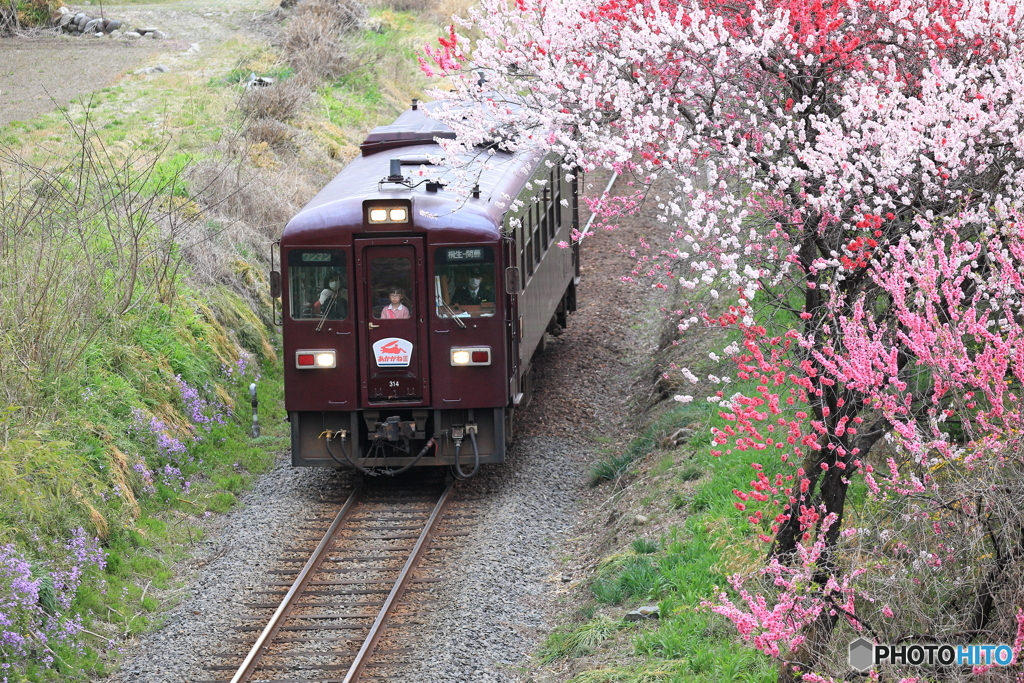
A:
(276, 134)
(263, 198)
(318, 40)
(281, 101)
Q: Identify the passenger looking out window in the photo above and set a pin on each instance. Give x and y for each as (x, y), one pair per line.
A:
(396, 309)
(391, 287)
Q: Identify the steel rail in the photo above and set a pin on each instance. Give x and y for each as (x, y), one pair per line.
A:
(377, 630)
(266, 637)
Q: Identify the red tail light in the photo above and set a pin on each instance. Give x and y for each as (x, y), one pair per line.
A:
(470, 355)
(306, 359)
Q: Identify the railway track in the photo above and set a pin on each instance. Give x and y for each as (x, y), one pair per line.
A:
(346, 601)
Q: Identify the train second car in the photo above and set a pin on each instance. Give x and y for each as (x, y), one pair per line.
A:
(411, 315)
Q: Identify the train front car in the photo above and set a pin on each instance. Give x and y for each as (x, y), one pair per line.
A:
(407, 327)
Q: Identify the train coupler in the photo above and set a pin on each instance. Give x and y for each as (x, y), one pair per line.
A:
(393, 429)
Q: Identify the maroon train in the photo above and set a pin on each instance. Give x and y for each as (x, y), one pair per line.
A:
(411, 315)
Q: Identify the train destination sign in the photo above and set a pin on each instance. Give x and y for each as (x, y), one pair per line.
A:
(392, 352)
(316, 256)
(466, 254)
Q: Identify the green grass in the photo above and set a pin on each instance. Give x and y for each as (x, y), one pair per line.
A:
(688, 567)
(616, 464)
(579, 641)
(73, 461)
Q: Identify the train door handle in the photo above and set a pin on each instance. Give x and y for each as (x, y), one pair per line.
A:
(372, 326)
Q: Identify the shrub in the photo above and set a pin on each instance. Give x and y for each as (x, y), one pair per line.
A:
(281, 101)
(318, 41)
(274, 133)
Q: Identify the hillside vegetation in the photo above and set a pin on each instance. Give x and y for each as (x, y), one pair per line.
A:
(135, 231)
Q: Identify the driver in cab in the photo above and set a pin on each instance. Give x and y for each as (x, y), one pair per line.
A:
(474, 293)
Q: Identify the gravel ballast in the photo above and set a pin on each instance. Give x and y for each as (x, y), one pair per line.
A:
(503, 581)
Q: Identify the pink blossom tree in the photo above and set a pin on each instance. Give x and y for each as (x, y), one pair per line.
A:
(853, 170)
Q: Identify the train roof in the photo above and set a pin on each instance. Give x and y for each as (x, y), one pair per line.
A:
(339, 206)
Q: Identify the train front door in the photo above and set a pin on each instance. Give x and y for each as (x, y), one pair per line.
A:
(392, 311)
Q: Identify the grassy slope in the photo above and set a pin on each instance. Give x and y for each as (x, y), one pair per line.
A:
(92, 447)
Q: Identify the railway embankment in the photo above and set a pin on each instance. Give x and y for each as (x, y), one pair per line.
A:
(137, 205)
(657, 532)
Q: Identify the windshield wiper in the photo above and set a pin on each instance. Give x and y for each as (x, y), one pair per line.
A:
(451, 313)
(327, 311)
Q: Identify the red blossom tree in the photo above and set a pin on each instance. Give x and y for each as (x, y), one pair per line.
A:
(854, 171)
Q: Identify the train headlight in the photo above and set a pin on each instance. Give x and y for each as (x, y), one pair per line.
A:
(388, 214)
(471, 355)
(311, 359)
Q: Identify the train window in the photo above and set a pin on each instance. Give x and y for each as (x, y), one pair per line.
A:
(551, 222)
(391, 288)
(464, 282)
(537, 244)
(318, 285)
(545, 227)
(558, 180)
(526, 245)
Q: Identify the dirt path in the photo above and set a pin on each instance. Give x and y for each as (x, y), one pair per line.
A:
(42, 72)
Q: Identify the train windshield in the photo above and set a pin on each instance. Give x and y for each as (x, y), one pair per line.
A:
(464, 282)
(318, 285)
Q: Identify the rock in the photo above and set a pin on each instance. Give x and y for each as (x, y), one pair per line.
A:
(132, 35)
(643, 613)
(192, 49)
(158, 35)
(148, 29)
(66, 20)
(80, 18)
(158, 69)
(641, 519)
(91, 26)
(113, 26)
(678, 438)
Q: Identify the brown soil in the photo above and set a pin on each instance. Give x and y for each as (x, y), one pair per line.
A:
(39, 74)
(43, 70)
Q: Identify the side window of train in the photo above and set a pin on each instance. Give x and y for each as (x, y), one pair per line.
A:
(391, 288)
(559, 178)
(527, 243)
(464, 284)
(552, 207)
(318, 285)
(537, 212)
